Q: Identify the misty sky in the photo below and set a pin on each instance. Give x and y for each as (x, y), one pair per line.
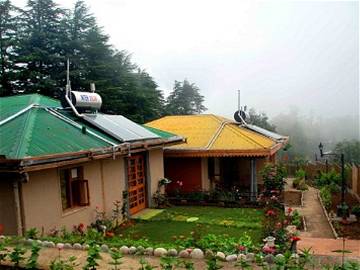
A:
(279, 54)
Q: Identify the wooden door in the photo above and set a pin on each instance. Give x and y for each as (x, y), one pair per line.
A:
(136, 183)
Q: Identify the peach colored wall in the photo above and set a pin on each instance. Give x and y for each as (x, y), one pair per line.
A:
(156, 169)
(42, 197)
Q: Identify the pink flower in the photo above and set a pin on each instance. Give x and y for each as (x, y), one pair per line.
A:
(60, 246)
(189, 250)
(268, 250)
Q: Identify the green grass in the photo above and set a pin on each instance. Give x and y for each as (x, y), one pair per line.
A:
(171, 224)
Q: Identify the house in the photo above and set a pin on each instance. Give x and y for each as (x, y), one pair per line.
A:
(218, 152)
(58, 166)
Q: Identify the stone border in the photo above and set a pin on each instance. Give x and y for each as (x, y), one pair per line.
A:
(327, 216)
(302, 198)
(189, 253)
(304, 223)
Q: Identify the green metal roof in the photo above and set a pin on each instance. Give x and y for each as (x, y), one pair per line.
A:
(161, 133)
(38, 131)
(12, 104)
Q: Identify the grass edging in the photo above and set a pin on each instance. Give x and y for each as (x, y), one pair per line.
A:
(327, 216)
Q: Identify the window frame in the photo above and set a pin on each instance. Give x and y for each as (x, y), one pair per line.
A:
(70, 187)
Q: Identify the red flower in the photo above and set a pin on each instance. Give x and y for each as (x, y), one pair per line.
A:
(241, 248)
(289, 210)
(295, 238)
(270, 213)
(109, 234)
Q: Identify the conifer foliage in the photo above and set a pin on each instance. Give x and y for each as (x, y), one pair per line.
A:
(35, 43)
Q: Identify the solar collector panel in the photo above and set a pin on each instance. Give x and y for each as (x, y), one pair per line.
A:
(120, 127)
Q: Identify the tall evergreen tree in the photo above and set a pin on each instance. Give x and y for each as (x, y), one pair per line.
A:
(185, 99)
(8, 43)
(40, 53)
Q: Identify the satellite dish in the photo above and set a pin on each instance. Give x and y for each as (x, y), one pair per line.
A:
(240, 116)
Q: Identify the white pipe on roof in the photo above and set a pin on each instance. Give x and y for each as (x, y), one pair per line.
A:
(17, 114)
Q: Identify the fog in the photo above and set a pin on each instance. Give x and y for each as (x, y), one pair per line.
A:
(284, 56)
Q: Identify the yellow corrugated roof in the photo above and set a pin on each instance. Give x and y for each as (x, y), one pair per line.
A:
(210, 132)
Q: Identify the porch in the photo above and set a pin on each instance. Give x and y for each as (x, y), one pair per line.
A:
(239, 176)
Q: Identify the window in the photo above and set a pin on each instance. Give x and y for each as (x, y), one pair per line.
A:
(74, 189)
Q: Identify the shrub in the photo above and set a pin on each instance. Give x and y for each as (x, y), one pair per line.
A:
(59, 264)
(17, 256)
(325, 194)
(300, 174)
(296, 219)
(302, 185)
(273, 176)
(92, 257)
(32, 260)
(32, 233)
(356, 211)
(331, 178)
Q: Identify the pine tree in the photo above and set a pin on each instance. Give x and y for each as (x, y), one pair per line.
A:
(185, 99)
(8, 43)
(40, 53)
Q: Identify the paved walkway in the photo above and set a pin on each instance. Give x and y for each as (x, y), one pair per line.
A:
(316, 222)
(319, 235)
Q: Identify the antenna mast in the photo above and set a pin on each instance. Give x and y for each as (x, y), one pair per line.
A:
(68, 86)
(239, 108)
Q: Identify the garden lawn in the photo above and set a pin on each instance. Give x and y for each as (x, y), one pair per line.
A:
(198, 221)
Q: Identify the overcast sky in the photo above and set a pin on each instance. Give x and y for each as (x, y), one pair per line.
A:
(278, 53)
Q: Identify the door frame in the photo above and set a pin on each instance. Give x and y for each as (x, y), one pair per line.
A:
(145, 175)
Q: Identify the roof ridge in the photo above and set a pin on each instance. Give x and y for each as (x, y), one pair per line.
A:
(27, 128)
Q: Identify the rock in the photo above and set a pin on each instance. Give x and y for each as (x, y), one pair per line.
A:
(184, 254)
(132, 250)
(140, 250)
(197, 253)
(85, 246)
(29, 242)
(39, 242)
(45, 244)
(67, 246)
(60, 246)
(269, 258)
(241, 257)
(2, 237)
(231, 258)
(149, 251)
(124, 250)
(51, 244)
(209, 253)
(250, 257)
(280, 256)
(160, 252)
(172, 252)
(220, 255)
(104, 248)
(77, 246)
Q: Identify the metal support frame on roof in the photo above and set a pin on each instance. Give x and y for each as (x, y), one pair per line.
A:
(71, 122)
